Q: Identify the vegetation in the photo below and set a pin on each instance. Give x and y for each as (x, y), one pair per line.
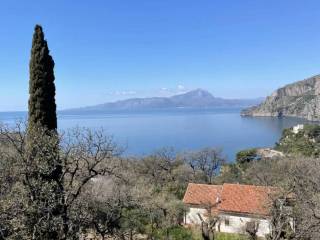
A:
(42, 106)
(305, 142)
(228, 236)
(295, 173)
(103, 193)
(74, 184)
(196, 235)
(205, 164)
(70, 185)
(42, 174)
(246, 156)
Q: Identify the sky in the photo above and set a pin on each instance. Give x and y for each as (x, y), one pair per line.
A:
(106, 50)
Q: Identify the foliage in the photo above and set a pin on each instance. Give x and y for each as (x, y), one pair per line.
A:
(113, 196)
(165, 170)
(230, 173)
(38, 153)
(298, 178)
(37, 211)
(175, 233)
(247, 156)
(196, 235)
(61, 186)
(236, 172)
(306, 142)
(229, 236)
(42, 106)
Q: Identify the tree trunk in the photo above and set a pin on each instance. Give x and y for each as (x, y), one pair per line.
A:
(205, 231)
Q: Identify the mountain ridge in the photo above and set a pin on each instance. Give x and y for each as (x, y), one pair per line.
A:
(197, 98)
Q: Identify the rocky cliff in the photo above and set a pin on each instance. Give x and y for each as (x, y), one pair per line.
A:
(299, 99)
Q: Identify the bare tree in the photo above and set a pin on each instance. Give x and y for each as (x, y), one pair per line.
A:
(166, 170)
(209, 222)
(282, 221)
(251, 229)
(83, 154)
(299, 179)
(205, 163)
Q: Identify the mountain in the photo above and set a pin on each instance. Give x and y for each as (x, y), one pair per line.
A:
(198, 98)
(300, 99)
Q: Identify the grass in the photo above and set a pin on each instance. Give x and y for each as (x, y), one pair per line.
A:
(229, 236)
(196, 235)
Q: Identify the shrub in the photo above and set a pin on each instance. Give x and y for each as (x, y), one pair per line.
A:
(175, 233)
(247, 156)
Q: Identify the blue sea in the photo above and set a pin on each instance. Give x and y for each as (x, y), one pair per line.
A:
(141, 133)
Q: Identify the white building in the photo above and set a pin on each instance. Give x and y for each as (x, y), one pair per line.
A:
(298, 128)
(233, 204)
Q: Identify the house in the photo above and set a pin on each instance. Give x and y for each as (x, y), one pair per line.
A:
(234, 205)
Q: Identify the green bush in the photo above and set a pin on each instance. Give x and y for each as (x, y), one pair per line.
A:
(196, 235)
(306, 142)
(175, 233)
(247, 156)
(180, 233)
(229, 236)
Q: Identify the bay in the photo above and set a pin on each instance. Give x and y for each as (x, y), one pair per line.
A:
(143, 132)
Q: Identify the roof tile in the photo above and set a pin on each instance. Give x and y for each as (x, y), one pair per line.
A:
(202, 194)
(247, 199)
(237, 198)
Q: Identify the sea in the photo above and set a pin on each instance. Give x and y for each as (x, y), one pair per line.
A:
(143, 132)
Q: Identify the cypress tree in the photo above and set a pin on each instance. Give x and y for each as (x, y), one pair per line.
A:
(43, 178)
(42, 106)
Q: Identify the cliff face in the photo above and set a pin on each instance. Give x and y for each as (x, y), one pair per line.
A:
(300, 99)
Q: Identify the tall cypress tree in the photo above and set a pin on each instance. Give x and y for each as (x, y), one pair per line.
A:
(43, 178)
(42, 106)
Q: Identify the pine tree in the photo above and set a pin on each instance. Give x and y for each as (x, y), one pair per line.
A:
(42, 106)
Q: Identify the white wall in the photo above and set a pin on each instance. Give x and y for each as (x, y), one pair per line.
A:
(192, 216)
(237, 224)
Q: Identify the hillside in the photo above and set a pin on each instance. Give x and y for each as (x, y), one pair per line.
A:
(300, 140)
(299, 99)
(198, 98)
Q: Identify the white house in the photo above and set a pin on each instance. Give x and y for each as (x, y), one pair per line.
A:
(298, 128)
(234, 204)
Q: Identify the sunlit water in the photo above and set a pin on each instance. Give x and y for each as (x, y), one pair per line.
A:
(144, 132)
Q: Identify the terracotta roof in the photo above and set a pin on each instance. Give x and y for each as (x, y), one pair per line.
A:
(248, 199)
(236, 198)
(202, 194)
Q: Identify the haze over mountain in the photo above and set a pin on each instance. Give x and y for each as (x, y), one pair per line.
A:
(299, 99)
(198, 98)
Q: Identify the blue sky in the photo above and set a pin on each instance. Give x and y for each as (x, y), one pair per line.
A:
(113, 49)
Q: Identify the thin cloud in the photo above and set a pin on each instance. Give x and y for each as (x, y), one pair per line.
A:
(181, 87)
(122, 93)
(166, 92)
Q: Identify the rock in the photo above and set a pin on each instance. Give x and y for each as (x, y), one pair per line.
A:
(269, 153)
(300, 99)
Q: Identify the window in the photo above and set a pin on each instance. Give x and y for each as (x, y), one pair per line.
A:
(226, 222)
